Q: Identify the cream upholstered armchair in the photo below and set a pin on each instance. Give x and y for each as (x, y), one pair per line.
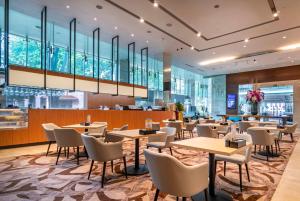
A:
(189, 127)
(243, 126)
(49, 132)
(262, 137)
(206, 131)
(67, 137)
(178, 127)
(289, 130)
(170, 176)
(98, 132)
(240, 158)
(163, 141)
(113, 138)
(100, 151)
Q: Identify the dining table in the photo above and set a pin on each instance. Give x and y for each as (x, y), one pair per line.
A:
(212, 146)
(137, 168)
(86, 127)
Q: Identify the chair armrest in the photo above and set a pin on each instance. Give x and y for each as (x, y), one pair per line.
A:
(113, 150)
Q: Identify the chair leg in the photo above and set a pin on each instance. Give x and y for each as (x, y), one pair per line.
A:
(247, 171)
(241, 181)
(159, 150)
(86, 153)
(205, 194)
(68, 151)
(224, 168)
(112, 166)
(272, 150)
(292, 137)
(125, 166)
(77, 155)
(278, 145)
(254, 149)
(171, 151)
(48, 148)
(216, 163)
(58, 154)
(156, 194)
(268, 151)
(103, 174)
(92, 163)
(183, 198)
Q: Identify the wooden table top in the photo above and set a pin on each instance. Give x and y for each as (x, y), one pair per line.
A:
(86, 127)
(274, 128)
(212, 124)
(133, 134)
(211, 145)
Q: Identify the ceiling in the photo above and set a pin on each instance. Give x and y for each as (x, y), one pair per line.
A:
(224, 24)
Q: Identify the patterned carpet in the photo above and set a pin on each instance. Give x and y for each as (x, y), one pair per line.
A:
(36, 177)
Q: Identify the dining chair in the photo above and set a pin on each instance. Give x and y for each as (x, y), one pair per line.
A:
(243, 126)
(98, 132)
(289, 130)
(67, 137)
(163, 141)
(113, 138)
(223, 130)
(262, 137)
(156, 126)
(178, 127)
(49, 132)
(100, 151)
(239, 158)
(206, 131)
(171, 176)
(189, 127)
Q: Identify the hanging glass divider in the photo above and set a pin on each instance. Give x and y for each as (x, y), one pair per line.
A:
(115, 64)
(96, 31)
(131, 64)
(44, 43)
(144, 63)
(6, 44)
(72, 28)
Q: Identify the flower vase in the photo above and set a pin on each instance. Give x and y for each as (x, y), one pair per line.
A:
(254, 108)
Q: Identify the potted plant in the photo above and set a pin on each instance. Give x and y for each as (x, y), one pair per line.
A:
(179, 111)
(254, 97)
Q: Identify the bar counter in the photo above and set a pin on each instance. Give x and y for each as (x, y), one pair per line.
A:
(115, 118)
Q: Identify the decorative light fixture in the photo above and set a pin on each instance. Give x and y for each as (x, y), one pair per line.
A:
(217, 60)
(142, 20)
(155, 4)
(290, 47)
(198, 34)
(246, 40)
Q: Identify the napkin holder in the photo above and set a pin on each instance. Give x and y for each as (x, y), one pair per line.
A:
(236, 143)
(172, 119)
(85, 124)
(224, 123)
(146, 132)
(280, 126)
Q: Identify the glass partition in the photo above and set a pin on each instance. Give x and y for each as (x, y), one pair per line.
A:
(1, 34)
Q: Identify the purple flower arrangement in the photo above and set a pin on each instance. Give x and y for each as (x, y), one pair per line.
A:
(255, 96)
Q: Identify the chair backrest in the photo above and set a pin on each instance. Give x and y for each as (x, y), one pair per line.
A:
(205, 131)
(190, 126)
(112, 138)
(243, 126)
(98, 130)
(171, 132)
(124, 127)
(246, 151)
(156, 126)
(176, 125)
(291, 128)
(260, 136)
(67, 137)
(170, 176)
(49, 131)
(100, 151)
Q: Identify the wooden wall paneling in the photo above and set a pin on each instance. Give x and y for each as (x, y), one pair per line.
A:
(6, 137)
(20, 136)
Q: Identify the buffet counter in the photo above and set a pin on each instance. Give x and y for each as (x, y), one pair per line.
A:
(115, 118)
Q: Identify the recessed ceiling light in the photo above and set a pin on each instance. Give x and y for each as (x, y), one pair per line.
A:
(289, 57)
(246, 40)
(95, 19)
(116, 28)
(147, 41)
(198, 34)
(68, 6)
(142, 20)
(276, 14)
(192, 48)
(245, 46)
(214, 53)
(155, 4)
(290, 47)
(284, 37)
(292, 61)
(217, 60)
(132, 35)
